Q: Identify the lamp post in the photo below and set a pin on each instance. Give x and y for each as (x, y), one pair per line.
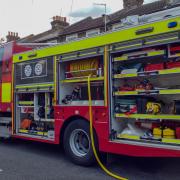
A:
(105, 11)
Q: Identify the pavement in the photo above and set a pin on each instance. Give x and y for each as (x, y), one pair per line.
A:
(26, 160)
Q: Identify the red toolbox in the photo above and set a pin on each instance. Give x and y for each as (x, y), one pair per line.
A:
(175, 49)
(154, 67)
(175, 64)
(178, 133)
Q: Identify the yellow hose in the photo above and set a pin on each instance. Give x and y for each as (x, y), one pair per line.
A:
(92, 137)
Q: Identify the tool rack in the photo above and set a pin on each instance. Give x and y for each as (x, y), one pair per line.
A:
(135, 125)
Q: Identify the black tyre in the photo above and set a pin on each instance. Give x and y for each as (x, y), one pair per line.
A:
(77, 143)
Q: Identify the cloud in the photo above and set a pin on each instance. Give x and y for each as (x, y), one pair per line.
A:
(93, 11)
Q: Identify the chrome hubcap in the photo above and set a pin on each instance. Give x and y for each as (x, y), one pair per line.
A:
(79, 142)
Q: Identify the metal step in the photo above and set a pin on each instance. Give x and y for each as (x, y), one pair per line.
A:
(5, 132)
(5, 120)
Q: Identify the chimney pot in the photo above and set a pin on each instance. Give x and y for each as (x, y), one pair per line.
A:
(59, 22)
(12, 36)
(172, 2)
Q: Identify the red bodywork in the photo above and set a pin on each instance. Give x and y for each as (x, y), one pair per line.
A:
(8, 50)
(101, 125)
(65, 114)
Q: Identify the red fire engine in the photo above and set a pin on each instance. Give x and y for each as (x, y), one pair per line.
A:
(134, 87)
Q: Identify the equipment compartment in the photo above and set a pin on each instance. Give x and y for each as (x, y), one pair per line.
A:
(145, 103)
(35, 114)
(73, 77)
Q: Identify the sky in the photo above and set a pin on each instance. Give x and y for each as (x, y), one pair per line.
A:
(34, 16)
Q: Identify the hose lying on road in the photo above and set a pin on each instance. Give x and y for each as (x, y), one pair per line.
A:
(92, 137)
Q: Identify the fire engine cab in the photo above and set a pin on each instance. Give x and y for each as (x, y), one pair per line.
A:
(6, 54)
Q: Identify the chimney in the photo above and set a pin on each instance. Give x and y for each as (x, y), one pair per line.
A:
(172, 2)
(131, 4)
(12, 36)
(59, 22)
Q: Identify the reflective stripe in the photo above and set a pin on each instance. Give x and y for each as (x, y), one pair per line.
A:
(6, 92)
(101, 40)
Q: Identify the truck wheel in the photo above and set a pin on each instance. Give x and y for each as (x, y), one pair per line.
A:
(77, 143)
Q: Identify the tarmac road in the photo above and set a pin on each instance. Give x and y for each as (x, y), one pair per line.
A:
(20, 160)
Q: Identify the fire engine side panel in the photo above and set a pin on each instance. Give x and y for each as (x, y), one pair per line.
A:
(101, 114)
(138, 150)
(101, 125)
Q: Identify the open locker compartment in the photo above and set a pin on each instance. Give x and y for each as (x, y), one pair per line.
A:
(73, 77)
(145, 98)
(34, 98)
(35, 114)
(141, 125)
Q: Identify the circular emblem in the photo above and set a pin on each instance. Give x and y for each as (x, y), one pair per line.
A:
(27, 70)
(38, 69)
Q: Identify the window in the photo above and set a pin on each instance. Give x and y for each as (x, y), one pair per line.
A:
(1, 58)
(92, 32)
(117, 26)
(71, 37)
(52, 41)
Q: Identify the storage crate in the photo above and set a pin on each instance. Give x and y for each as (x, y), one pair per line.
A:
(169, 133)
(171, 65)
(178, 133)
(154, 67)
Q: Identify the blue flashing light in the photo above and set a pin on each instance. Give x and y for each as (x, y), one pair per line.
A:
(172, 24)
